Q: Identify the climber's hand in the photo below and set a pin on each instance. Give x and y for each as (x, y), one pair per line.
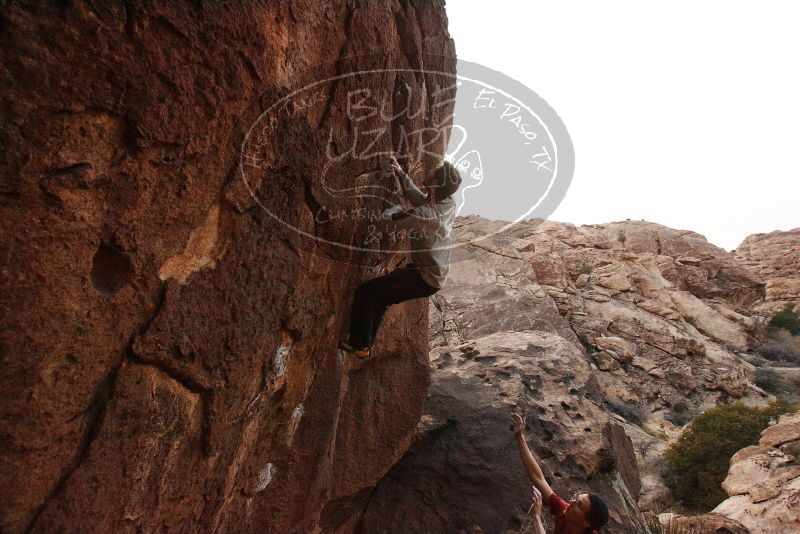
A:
(536, 505)
(396, 166)
(517, 424)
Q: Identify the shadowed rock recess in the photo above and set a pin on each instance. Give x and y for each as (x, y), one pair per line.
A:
(168, 351)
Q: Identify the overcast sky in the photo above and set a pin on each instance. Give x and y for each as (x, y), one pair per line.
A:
(684, 113)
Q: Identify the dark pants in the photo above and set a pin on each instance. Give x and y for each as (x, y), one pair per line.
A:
(374, 296)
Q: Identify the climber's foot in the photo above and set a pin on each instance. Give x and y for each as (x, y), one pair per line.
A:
(362, 353)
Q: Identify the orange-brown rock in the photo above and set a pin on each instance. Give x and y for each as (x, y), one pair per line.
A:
(168, 352)
(764, 481)
(774, 258)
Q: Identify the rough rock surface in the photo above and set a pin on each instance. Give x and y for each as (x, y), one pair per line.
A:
(764, 481)
(601, 334)
(774, 258)
(464, 472)
(168, 352)
(701, 524)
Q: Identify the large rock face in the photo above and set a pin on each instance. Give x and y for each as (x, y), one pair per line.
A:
(608, 337)
(764, 481)
(775, 258)
(168, 352)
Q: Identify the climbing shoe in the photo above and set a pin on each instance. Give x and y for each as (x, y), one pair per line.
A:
(357, 352)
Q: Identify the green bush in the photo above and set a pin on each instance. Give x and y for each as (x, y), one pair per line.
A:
(654, 526)
(585, 269)
(698, 461)
(587, 343)
(775, 351)
(722, 278)
(768, 380)
(782, 347)
(784, 385)
(678, 418)
(680, 407)
(788, 319)
(691, 320)
(633, 413)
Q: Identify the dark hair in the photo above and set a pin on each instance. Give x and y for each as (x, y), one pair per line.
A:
(598, 513)
(446, 180)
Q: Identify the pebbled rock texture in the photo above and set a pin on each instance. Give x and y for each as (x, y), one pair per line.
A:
(168, 351)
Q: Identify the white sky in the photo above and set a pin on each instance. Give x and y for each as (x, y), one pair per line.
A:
(684, 113)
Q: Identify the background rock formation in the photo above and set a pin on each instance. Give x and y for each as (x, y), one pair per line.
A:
(764, 481)
(775, 258)
(609, 337)
(168, 352)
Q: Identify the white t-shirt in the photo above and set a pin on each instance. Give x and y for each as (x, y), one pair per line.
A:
(429, 225)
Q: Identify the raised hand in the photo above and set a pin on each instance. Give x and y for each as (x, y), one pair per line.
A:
(517, 424)
(396, 166)
(536, 505)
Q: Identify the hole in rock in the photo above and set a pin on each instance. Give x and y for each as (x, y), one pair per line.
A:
(111, 269)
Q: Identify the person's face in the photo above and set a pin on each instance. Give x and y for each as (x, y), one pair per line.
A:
(579, 507)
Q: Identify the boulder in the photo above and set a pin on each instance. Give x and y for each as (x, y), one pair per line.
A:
(621, 349)
(463, 471)
(777, 435)
(606, 360)
(169, 352)
(774, 258)
(764, 482)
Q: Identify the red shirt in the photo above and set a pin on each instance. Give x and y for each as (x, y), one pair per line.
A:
(557, 507)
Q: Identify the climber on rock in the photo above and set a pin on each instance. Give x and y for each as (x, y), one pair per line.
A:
(427, 223)
(585, 513)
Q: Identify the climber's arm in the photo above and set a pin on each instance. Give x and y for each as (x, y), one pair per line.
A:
(536, 513)
(528, 461)
(395, 214)
(410, 191)
(419, 218)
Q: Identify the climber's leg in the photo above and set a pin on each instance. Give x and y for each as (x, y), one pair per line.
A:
(407, 285)
(375, 296)
(366, 305)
